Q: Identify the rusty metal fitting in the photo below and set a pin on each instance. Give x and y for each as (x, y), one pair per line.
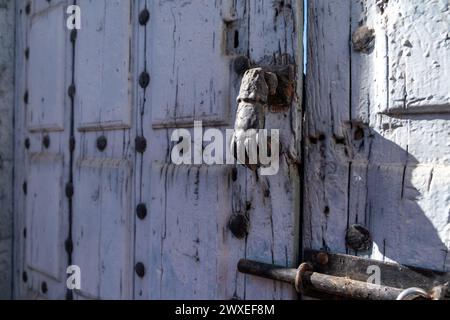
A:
(304, 267)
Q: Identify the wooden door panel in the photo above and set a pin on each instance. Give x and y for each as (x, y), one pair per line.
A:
(47, 70)
(190, 72)
(419, 50)
(44, 220)
(103, 65)
(189, 216)
(376, 132)
(102, 228)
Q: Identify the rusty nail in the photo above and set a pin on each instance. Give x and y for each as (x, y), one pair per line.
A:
(140, 269)
(144, 80)
(141, 211)
(102, 143)
(144, 16)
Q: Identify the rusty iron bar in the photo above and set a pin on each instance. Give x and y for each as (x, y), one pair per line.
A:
(336, 286)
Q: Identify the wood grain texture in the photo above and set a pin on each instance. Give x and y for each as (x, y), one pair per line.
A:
(377, 149)
(189, 51)
(7, 20)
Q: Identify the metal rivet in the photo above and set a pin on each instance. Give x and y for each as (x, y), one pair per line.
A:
(73, 35)
(234, 174)
(72, 144)
(140, 269)
(241, 64)
(27, 143)
(102, 143)
(144, 80)
(44, 287)
(358, 238)
(68, 244)
(144, 16)
(28, 8)
(25, 188)
(71, 91)
(25, 276)
(141, 211)
(363, 39)
(140, 144)
(25, 97)
(322, 258)
(69, 190)
(239, 226)
(46, 142)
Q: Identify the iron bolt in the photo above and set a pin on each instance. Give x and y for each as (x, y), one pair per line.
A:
(140, 269)
(141, 211)
(144, 16)
(102, 143)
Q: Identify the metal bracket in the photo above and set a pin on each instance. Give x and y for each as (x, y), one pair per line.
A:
(328, 275)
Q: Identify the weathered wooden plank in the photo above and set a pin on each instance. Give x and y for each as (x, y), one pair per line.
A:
(391, 157)
(7, 21)
(102, 62)
(102, 228)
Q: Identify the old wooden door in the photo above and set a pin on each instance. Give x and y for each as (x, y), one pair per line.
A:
(96, 109)
(377, 146)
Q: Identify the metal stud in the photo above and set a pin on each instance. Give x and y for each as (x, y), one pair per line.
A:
(140, 144)
(144, 17)
(44, 287)
(241, 64)
(102, 143)
(141, 211)
(69, 190)
(144, 80)
(239, 225)
(358, 238)
(71, 91)
(28, 8)
(140, 269)
(68, 244)
(25, 188)
(73, 35)
(72, 144)
(46, 142)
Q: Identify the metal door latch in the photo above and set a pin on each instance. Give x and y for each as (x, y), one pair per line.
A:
(329, 275)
